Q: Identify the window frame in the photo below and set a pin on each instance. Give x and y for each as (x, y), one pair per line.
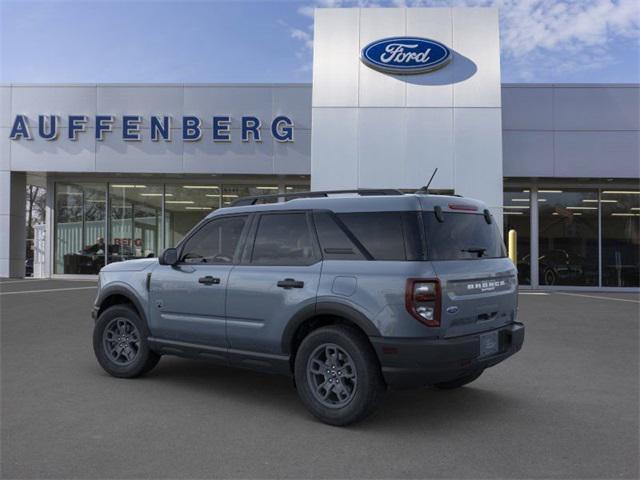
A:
(246, 257)
(205, 222)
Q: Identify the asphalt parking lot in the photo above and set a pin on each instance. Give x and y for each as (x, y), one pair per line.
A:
(565, 406)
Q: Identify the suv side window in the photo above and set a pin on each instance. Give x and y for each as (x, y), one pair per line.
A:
(215, 242)
(386, 235)
(334, 242)
(283, 239)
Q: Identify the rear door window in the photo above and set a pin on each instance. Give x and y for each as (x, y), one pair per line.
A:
(283, 239)
(462, 236)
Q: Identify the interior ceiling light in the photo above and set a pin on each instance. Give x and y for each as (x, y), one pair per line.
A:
(549, 191)
(625, 214)
(621, 192)
(519, 199)
(513, 213)
(129, 186)
(229, 195)
(180, 201)
(198, 208)
(515, 206)
(201, 187)
(267, 188)
(581, 208)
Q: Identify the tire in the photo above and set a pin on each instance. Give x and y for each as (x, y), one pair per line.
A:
(550, 277)
(131, 358)
(343, 355)
(458, 382)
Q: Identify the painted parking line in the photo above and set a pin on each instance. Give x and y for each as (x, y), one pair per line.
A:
(48, 290)
(599, 297)
(25, 281)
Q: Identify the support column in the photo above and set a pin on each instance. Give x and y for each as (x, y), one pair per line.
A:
(12, 223)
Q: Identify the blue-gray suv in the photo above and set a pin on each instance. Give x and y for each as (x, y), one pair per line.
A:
(348, 293)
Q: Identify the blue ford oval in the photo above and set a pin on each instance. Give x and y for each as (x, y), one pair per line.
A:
(405, 55)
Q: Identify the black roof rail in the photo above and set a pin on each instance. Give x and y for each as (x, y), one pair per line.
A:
(244, 201)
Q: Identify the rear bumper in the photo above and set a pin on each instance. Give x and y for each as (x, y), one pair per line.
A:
(417, 362)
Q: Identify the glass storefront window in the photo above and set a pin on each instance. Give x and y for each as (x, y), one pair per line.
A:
(620, 238)
(80, 210)
(568, 237)
(517, 216)
(134, 221)
(185, 205)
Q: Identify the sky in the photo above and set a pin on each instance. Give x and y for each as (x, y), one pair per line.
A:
(175, 41)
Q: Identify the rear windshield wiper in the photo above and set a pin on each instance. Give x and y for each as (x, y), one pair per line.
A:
(480, 251)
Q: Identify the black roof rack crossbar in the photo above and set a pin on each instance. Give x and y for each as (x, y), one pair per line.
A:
(244, 201)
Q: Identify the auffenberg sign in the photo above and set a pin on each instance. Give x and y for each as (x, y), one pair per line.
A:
(49, 127)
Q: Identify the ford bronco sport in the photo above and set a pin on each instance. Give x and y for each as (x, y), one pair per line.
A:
(349, 295)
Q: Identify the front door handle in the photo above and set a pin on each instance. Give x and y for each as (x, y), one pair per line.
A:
(209, 280)
(290, 283)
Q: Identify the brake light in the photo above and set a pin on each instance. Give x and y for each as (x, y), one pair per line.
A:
(463, 207)
(423, 299)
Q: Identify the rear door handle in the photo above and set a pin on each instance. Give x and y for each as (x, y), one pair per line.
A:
(290, 283)
(209, 280)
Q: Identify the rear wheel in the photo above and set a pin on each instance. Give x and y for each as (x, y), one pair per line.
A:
(120, 343)
(459, 382)
(338, 376)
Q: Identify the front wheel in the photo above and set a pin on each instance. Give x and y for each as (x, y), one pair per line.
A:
(338, 375)
(120, 343)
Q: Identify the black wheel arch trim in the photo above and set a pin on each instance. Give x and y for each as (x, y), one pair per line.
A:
(123, 290)
(326, 308)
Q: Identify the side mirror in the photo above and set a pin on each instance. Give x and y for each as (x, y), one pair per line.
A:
(169, 256)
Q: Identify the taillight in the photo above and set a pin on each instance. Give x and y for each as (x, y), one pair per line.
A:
(422, 299)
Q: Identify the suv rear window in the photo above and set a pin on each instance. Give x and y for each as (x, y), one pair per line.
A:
(385, 235)
(462, 236)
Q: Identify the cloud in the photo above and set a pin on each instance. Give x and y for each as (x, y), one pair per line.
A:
(579, 34)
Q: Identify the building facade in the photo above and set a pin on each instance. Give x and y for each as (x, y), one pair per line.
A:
(129, 169)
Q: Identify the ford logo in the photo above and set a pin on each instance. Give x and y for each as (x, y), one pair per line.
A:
(405, 55)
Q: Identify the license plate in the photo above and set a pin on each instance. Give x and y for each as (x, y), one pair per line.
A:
(489, 344)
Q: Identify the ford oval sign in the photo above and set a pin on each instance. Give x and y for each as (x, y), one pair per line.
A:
(405, 55)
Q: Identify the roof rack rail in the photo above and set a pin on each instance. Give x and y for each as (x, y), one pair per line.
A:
(244, 201)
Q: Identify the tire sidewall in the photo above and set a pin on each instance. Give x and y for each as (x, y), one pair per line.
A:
(368, 376)
(141, 363)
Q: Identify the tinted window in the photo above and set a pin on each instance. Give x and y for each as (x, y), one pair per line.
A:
(215, 242)
(381, 233)
(335, 243)
(283, 239)
(462, 236)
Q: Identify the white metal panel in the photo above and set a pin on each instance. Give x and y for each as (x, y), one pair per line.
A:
(527, 108)
(477, 45)
(62, 155)
(5, 149)
(527, 153)
(145, 156)
(5, 107)
(294, 102)
(381, 147)
(598, 108)
(597, 154)
(434, 89)
(51, 100)
(293, 157)
(377, 89)
(334, 148)
(429, 145)
(335, 57)
(478, 154)
(205, 102)
(239, 157)
(141, 100)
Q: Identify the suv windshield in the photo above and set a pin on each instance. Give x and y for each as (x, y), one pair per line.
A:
(461, 236)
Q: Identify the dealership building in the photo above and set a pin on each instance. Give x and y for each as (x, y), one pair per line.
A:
(130, 168)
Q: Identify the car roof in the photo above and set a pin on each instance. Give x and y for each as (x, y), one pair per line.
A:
(369, 203)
